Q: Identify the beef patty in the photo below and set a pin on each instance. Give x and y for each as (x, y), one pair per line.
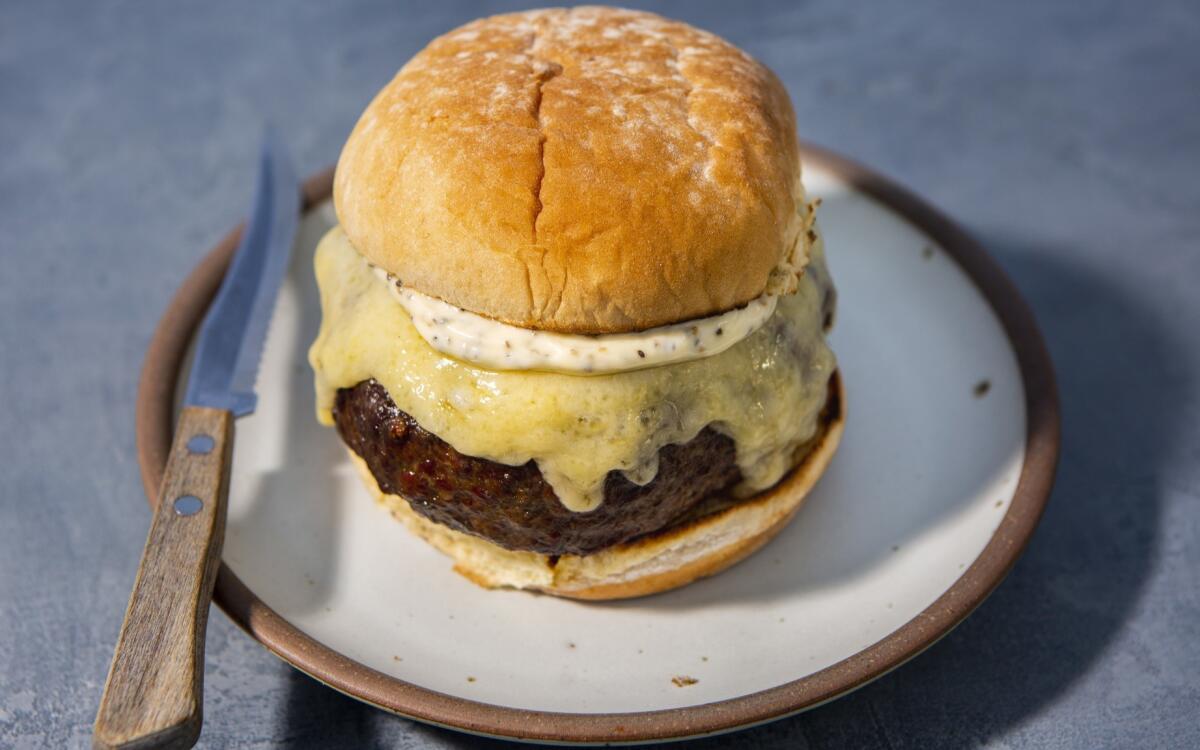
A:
(513, 506)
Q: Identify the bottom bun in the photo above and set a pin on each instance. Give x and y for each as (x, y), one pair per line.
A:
(666, 559)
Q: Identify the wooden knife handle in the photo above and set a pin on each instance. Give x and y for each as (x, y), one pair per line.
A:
(153, 695)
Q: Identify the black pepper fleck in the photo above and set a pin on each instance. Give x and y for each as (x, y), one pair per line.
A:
(641, 354)
(982, 387)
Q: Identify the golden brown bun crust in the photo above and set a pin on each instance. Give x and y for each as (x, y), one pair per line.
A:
(590, 170)
(666, 560)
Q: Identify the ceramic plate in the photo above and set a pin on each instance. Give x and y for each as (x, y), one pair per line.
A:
(945, 466)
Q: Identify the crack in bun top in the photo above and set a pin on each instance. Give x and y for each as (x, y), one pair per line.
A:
(591, 170)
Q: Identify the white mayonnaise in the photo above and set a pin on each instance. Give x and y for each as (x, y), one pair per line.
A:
(500, 346)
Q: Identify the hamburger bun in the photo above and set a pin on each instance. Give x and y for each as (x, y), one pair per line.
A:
(591, 170)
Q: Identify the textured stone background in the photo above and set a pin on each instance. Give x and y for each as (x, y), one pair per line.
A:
(1065, 135)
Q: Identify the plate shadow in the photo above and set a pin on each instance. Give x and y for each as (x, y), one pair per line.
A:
(1083, 573)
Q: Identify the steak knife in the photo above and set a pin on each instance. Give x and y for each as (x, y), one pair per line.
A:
(153, 695)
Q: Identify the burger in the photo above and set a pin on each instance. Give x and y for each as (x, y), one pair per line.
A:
(574, 312)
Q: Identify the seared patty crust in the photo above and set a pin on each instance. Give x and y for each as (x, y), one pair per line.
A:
(513, 506)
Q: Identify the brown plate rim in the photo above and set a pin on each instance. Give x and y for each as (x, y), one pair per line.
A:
(154, 428)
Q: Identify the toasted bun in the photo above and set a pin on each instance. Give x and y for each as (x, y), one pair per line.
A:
(591, 170)
(668, 559)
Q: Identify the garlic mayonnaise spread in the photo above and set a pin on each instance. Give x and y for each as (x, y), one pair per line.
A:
(765, 391)
(499, 346)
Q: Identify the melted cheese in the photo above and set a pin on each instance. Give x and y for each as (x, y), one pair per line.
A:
(765, 392)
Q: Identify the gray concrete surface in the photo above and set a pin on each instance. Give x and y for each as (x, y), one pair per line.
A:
(1065, 135)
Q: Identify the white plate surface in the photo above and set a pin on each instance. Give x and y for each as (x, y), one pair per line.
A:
(926, 471)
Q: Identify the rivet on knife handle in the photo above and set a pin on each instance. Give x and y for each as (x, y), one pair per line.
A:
(153, 695)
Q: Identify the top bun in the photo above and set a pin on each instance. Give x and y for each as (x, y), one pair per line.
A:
(591, 170)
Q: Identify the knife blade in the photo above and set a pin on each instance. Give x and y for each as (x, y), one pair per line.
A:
(231, 338)
(153, 696)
